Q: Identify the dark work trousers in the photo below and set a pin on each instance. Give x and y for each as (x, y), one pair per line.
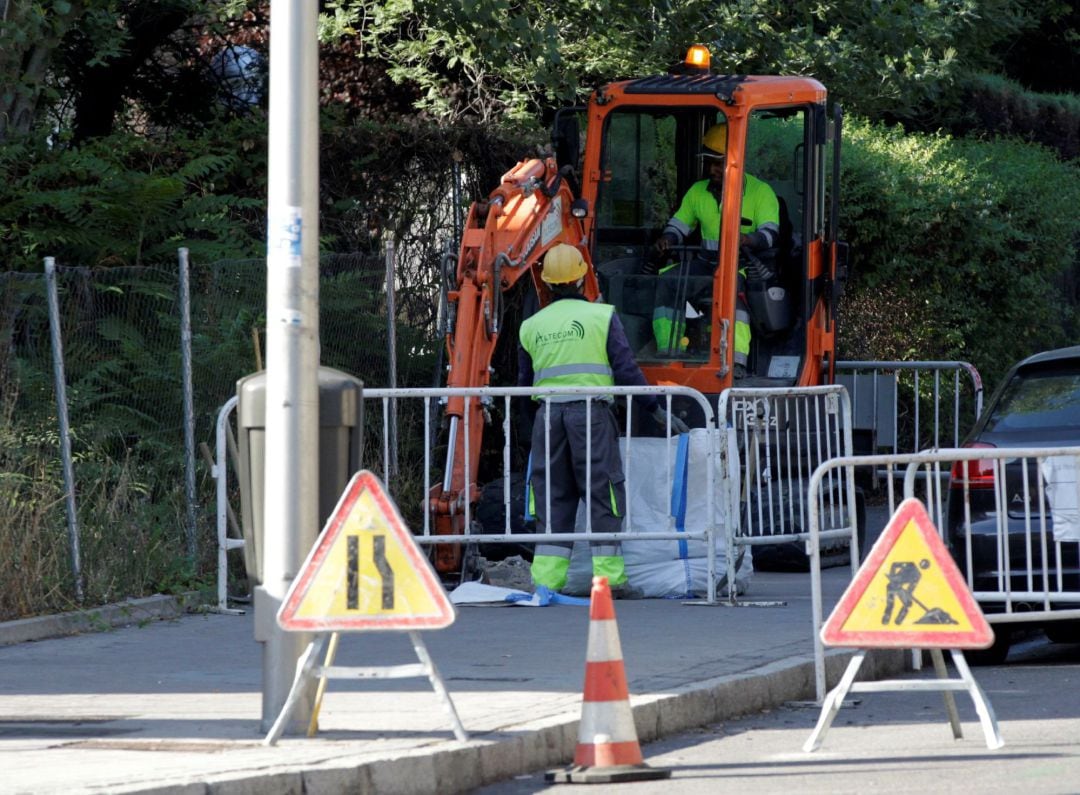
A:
(565, 464)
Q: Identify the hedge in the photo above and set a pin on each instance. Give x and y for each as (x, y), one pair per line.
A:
(962, 249)
(996, 105)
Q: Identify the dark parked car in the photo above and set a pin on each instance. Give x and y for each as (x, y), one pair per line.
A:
(1036, 406)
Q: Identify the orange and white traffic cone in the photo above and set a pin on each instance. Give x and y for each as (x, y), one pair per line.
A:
(607, 748)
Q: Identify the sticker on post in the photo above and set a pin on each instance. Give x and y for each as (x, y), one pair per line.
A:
(284, 237)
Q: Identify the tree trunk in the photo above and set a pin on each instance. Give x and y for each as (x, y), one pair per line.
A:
(25, 59)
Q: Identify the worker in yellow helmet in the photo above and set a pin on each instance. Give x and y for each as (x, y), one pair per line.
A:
(573, 342)
(701, 207)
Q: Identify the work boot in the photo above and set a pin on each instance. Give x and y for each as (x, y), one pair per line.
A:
(627, 591)
(740, 371)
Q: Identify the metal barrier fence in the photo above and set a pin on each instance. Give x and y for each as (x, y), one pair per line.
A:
(773, 440)
(418, 471)
(778, 437)
(1010, 517)
(904, 407)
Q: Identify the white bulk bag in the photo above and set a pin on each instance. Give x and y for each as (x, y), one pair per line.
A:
(666, 490)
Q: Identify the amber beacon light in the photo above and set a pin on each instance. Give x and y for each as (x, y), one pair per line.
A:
(698, 57)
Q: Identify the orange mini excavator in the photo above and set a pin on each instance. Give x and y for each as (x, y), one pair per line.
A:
(611, 195)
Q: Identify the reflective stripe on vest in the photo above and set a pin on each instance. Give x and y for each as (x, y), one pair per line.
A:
(571, 369)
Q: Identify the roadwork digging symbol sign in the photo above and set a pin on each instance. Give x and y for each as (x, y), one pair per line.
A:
(366, 571)
(908, 593)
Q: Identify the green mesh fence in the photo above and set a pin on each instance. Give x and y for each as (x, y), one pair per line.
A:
(121, 337)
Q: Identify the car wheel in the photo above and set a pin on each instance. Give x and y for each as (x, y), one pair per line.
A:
(1063, 631)
(996, 653)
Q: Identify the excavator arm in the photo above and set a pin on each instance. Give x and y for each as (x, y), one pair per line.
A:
(504, 240)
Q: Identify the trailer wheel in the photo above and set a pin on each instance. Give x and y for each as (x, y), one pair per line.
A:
(792, 557)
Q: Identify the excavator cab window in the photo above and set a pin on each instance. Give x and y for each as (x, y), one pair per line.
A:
(639, 181)
(776, 154)
(648, 162)
(784, 150)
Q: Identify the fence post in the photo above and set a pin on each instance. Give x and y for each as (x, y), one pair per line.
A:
(455, 172)
(189, 401)
(65, 428)
(391, 341)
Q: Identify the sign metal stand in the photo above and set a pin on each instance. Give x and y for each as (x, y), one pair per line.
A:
(307, 668)
(966, 681)
(365, 572)
(879, 609)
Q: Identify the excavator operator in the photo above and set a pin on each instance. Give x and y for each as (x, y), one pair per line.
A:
(574, 342)
(701, 206)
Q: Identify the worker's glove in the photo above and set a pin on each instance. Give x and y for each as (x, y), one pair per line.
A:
(664, 242)
(661, 416)
(755, 268)
(657, 256)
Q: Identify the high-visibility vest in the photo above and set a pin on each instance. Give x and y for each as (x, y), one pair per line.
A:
(567, 341)
(760, 208)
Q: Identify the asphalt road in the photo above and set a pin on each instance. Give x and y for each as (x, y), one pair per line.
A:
(885, 742)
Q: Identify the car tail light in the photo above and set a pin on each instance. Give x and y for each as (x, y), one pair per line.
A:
(978, 473)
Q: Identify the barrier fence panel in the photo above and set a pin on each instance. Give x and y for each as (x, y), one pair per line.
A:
(777, 438)
(755, 472)
(493, 504)
(905, 407)
(1010, 517)
(224, 460)
(498, 490)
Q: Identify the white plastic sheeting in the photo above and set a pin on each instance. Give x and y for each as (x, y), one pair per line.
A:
(675, 567)
(1059, 472)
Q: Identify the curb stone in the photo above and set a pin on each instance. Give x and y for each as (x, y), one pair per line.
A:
(159, 607)
(462, 767)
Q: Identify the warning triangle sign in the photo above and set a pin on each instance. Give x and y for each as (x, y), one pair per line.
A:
(366, 571)
(908, 593)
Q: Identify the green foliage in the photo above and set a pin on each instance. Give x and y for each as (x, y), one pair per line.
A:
(126, 200)
(29, 35)
(963, 249)
(1046, 57)
(495, 59)
(128, 516)
(489, 58)
(885, 59)
(999, 106)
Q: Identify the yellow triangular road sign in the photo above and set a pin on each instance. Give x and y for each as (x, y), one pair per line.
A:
(365, 572)
(908, 593)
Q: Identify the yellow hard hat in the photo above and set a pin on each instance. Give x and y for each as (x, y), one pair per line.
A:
(563, 264)
(714, 142)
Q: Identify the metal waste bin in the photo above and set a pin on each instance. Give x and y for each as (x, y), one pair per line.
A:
(341, 447)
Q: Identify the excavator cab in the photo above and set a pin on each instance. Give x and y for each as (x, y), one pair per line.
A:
(641, 156)
(650, 174)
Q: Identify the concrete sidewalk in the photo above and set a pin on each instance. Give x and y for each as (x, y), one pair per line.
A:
(173, 706)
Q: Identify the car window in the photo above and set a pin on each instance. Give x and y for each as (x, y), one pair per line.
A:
(1038, 400)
